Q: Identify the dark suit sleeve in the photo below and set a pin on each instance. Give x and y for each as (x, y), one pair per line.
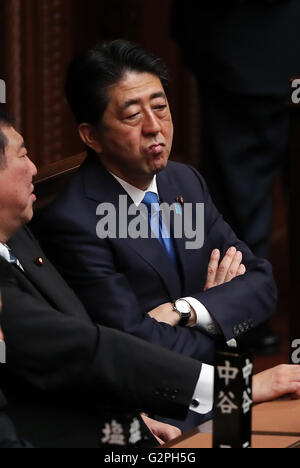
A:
(246, 301)
(56, 352)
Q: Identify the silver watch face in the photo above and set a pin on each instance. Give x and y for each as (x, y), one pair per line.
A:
(183, 307)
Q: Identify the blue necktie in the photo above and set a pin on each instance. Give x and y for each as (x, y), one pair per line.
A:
(157, 227)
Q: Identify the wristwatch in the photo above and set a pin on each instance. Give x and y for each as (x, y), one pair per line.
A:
(183, 308)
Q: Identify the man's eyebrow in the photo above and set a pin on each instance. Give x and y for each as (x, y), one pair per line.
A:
(133, 102)
(159, 94)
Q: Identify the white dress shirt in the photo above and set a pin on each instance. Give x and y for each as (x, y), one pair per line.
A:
(4, 253)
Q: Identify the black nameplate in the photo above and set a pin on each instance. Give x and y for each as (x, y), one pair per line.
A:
(232, 401)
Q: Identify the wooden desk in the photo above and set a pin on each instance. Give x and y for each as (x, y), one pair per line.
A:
(275, 425)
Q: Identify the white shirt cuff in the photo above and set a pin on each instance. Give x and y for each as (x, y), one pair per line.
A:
(204, 319)
(203, 398)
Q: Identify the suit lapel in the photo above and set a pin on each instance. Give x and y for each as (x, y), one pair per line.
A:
(170, 193)
(100, 186)
(43, 277)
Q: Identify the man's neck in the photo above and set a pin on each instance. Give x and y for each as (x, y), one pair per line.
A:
(7, 232)
(3, 239)
(141, 184)
(134, 185)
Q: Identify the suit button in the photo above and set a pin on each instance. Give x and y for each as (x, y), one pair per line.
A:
(157, 393)
(195, 403)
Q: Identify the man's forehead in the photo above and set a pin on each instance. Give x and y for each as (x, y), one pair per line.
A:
(136, 86)
(13, 137)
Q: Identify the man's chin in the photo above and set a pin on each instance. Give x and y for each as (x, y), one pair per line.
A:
(159, 166)
(27, 217)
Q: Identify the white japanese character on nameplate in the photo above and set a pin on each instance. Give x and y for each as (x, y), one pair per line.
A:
(226, 404)
(227, 373)
(247, 402)
(135, 432)
(247, 371)
(113, 434)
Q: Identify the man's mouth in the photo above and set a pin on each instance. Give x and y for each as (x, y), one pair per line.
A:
(157, 148)
(32, 194)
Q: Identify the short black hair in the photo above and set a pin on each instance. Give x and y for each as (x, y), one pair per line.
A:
(94, 70)
(6, 120)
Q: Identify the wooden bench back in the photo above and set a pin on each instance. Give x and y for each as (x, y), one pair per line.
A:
(50, 180)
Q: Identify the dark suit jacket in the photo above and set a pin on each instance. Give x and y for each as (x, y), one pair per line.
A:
(247, 46)
(8, 435)
(120, 280)
(64, 374)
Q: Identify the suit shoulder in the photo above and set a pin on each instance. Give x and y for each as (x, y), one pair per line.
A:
(24, 234)
(185, 172)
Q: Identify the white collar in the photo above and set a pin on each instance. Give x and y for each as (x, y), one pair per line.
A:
(4, 252)
(137, 195)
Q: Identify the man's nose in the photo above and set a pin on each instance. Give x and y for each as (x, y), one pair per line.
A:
(33, 169)
(151, 124)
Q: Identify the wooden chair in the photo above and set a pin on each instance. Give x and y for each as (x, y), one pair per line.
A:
(50, 180)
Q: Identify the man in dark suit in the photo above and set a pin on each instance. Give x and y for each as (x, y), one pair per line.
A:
(118, 95)
(66, 376)
(8, 434)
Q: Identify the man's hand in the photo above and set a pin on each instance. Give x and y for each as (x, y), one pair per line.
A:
(165, 313)
(162, 432)
(1, 335)
(276, 382)
(230, 267)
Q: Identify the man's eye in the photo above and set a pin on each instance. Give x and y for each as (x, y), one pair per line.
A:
(162, 107)
(133, 116)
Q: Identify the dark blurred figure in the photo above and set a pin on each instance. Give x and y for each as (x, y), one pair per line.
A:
(243, 53)
(8, 434)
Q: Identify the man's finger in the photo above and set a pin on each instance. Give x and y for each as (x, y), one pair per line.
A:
(212, 269)
(242, 270)
(234, 267)
(224, 266)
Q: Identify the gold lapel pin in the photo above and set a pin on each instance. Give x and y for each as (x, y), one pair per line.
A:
(39, 261)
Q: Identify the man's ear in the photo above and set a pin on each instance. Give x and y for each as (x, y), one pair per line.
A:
(90, 137)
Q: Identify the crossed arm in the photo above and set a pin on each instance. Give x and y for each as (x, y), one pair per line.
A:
(217, 273)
